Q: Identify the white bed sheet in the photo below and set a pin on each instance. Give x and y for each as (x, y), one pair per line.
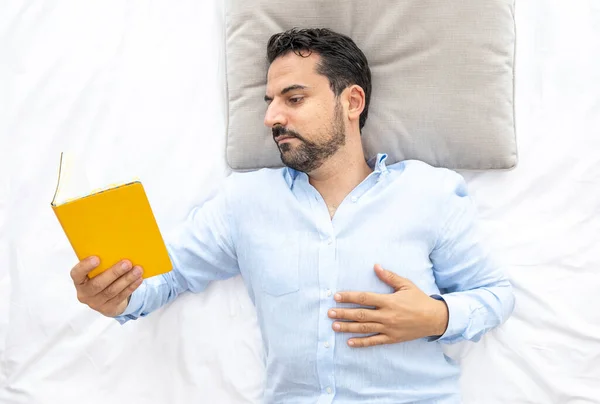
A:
(138, 88)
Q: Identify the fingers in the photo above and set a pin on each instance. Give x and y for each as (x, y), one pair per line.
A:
(98, 284)
(107, 292)
(358, 328)
(83, 268)
(362, 298)
(364, 342)
(112, 300)
(117, 304)
(392, 279)
(101, 282)
(120, 285)
(361, 315)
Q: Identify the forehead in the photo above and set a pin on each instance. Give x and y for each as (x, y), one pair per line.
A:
(293, 69)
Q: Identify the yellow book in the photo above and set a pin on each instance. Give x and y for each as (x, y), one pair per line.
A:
(113, 224)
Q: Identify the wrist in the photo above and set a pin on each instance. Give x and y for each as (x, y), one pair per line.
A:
(440, 318)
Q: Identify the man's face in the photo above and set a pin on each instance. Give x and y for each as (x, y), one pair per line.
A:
(305, 116)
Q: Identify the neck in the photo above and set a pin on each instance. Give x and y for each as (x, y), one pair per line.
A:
(340, 174)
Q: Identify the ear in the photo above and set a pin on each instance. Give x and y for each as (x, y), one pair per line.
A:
(355, 97)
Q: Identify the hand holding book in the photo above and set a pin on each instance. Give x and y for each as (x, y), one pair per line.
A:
(108, 293)
(111, 224)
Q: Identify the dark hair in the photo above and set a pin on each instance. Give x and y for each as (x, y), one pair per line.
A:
(342, 62)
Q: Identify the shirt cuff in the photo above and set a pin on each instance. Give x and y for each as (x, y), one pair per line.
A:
(459, 317)
(134, 306)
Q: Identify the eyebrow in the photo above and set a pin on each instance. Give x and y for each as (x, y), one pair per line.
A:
(287, 90)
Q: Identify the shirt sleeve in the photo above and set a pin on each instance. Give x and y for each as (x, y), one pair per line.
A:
(201, 251)
(475, 289)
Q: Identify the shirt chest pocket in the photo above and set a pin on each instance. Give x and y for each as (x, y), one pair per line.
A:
(276, 264)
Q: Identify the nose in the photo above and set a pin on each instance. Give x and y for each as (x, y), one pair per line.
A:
(274, 116)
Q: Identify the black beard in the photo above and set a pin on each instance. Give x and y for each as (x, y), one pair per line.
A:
(309, 156)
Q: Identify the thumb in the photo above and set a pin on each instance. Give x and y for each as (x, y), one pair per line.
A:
(392, 279)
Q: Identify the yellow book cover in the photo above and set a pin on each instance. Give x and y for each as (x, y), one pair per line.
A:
(113, 224)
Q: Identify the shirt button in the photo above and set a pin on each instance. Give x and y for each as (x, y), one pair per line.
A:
(326, 344)
(329, 390)
(330, 241)
(354, 199)
(328, 292)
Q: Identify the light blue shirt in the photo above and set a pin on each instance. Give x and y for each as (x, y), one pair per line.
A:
(274, 228)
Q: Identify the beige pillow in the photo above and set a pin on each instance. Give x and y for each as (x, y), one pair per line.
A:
(442, 74)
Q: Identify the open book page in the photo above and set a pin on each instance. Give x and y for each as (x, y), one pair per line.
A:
(73, 179)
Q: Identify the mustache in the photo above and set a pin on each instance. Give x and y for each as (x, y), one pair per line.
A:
(281, 131)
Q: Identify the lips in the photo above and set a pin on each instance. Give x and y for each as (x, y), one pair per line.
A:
(281, 134)
(283, 137)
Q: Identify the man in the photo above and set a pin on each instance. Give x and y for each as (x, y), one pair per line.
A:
(358, 270)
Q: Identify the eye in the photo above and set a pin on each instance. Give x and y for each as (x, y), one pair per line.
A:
(296, 99)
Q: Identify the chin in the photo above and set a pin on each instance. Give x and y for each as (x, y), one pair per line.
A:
(284, 147)
(286, 160)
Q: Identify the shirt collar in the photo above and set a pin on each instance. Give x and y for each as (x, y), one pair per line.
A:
(377, 163)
